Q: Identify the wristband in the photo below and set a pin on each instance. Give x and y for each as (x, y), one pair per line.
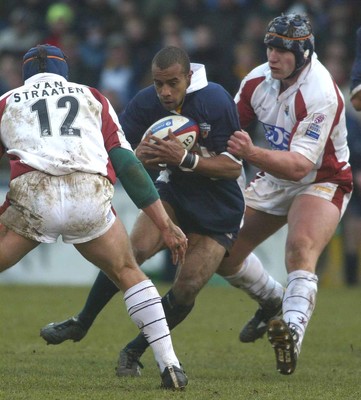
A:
(184, 156)
(189, 160)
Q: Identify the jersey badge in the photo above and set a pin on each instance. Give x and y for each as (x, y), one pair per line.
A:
(314, 128)
(204, 129)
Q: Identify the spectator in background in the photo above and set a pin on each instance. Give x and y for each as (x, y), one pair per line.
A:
(21, 33)
(117, 72)
(352, 220)
(100, 12)
(10, 73)
(205, 51)
(70, 44)
(153, 10)
(189, 11)
(173, 32)
(142, 43)
(245, 59)
(59, 20)
(93, 52)
(351, 224)
(355, 93)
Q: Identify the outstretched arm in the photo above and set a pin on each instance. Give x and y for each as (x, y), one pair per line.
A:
(140, 188)
(287, 165)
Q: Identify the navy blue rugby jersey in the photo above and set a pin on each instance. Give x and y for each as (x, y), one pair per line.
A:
(219, 200)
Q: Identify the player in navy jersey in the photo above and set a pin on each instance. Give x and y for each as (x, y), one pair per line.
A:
(305, 177)
(66, 148)
(199, 189)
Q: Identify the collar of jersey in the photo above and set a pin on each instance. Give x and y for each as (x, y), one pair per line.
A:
(199, 78)
(45, 76)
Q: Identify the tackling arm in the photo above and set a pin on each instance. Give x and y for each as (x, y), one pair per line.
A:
(133, 177)
(140, 188)
(288, 165)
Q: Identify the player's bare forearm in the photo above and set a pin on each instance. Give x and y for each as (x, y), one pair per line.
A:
(171, 153)
(220, 167)
(286, 165)
(173, 236)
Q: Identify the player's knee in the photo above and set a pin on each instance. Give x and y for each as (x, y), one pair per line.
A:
(300, 251)
(185, 292)
(140, 255)
(125, 275)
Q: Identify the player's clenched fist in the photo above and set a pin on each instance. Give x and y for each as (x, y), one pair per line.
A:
(240, 144)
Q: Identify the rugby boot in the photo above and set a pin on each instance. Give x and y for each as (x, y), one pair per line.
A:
(284, 340)
(174, 378)
(58, 332)
(256, 327)
(129, 363)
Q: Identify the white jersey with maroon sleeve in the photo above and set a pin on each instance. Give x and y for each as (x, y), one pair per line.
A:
(58, 127)
(308, 118)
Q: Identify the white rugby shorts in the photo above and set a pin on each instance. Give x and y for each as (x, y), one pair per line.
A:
(271, 197)
(43, 207)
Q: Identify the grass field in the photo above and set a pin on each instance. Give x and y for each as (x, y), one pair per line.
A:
(218, 365)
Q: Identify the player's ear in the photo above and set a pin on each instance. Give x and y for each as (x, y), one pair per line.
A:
(189, 77)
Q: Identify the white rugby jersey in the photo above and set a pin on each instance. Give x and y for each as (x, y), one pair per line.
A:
(308, 118)
(58, 127)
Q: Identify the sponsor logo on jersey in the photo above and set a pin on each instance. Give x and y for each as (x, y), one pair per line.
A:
(313, 130)
(277, 137)
(204, 129)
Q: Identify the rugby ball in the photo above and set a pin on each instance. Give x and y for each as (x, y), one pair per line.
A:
(185, 129)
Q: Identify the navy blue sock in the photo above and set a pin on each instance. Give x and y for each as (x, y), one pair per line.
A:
(351, 269)
(102, 291)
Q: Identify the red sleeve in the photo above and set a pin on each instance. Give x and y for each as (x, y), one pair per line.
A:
(109, 127)
(2, 108)
(245, 109)
(109, 130)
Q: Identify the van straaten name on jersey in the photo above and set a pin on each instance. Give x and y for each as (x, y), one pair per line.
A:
(46, 89)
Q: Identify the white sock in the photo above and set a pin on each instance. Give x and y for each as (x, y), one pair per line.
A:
(145, 308)
(299, 301)
(256, 281)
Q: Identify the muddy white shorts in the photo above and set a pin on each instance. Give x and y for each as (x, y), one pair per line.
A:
(275, 198)
(42, 207)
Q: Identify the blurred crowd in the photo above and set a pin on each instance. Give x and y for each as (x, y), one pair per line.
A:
(110, 45)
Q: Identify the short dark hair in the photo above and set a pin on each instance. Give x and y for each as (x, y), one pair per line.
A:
(171, 55)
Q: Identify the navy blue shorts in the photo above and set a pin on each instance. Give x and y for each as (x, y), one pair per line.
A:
(204, 212)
